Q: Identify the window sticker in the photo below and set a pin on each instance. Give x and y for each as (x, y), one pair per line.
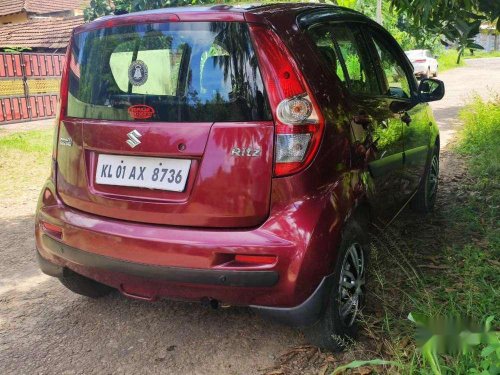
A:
(141, 112)
(138, 73)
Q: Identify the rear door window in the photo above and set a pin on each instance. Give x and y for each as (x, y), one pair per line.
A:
(182, 71)
(395, 80)
(343, 49)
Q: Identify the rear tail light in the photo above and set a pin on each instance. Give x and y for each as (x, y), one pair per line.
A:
(255, 259)
(419, 61)
(299, 123)
(52, 229)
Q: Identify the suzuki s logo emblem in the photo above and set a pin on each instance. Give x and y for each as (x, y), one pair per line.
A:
(133, 138)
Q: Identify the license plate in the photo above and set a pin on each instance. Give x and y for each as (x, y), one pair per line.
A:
(143, 172)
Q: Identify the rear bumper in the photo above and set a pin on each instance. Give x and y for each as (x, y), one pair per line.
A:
(170, 274)
(303, 315)
(157, 261)
(420, 69)
(149, 261)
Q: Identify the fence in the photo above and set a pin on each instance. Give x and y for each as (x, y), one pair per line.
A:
(29, 85)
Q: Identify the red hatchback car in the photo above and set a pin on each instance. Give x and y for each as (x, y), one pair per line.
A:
(235, 155)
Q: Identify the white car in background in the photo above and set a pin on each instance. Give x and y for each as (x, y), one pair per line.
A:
(424, 64)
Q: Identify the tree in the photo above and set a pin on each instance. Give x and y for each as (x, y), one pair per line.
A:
(463, 34)
(435, 12)
(99, 8)
(457, 20)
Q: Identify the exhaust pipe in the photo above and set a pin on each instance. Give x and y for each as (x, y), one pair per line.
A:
(210, 302)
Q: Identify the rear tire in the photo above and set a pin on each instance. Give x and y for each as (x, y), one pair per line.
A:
(435, 73)
(337, 327)
(425, 198)
(83, 285)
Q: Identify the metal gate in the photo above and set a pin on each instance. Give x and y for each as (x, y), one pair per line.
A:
(29, 85)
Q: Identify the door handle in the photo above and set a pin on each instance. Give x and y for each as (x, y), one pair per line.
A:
(406, 118)
(363, 119)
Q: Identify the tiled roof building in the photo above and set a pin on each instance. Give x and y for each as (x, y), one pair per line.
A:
(43, 25)
(38, 6)
(50, 33)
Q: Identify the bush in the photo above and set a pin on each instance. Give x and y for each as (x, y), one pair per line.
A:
(480, 136)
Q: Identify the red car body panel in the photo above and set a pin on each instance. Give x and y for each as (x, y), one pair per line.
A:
(245, 203)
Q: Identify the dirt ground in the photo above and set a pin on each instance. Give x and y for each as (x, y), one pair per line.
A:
(46, 329)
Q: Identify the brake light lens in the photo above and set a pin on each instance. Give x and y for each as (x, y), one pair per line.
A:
(52, 229)
(255, 259)
(295, 110)
(419, 61)
(298, 121)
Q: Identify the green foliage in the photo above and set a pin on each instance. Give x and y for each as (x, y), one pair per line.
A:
(457, 20)
(481, 54)
(99, 8)
(476, 349)
(16, 49)
(434, 12)
(358, 364)
(96, 9)
(463, 33)
(447, 59)
(347, 3)
(25, 163)
(37, 141)
(398, 24)
(479, 138)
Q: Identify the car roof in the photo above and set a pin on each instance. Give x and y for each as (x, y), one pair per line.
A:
(262, 13)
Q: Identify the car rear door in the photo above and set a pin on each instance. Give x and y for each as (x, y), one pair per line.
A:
(167, 123)
(374, 128)
(399, 85)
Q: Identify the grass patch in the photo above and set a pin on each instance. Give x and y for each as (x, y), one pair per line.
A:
(478, 54)
(25, 163)
(444, 268)
(448, 60)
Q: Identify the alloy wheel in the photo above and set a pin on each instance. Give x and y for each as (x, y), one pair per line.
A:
(351, 286)
(433, 178)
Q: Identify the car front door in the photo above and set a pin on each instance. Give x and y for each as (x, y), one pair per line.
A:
(399, 85)
(376, 131)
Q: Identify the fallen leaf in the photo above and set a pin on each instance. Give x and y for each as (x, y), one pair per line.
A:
(404, 342)
(330, 359)
(323, 370)
(363, 371)
(275, 372)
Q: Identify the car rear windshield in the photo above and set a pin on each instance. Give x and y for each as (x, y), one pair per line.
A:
(415, 54)
(176, 72)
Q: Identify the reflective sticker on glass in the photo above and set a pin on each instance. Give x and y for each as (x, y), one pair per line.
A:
(138, 73)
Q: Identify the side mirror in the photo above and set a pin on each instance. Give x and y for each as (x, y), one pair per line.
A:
(430, 90)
